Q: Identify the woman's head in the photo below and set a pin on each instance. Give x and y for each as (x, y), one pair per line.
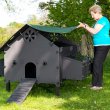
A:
(95, 11)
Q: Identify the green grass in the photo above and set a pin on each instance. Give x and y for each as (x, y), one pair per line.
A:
(75, 95)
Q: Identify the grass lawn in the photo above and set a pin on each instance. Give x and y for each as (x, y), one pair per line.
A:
(75, 95)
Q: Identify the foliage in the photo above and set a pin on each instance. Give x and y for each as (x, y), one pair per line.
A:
(66, 13)
(106, 7)
(13, 27)
(9, 5)
(32, 20)
(1, 55)
(6, 33)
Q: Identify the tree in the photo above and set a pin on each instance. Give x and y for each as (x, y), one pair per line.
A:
(6, 33)
(32, 20)
(69, 12)
(9, 5)
(106, 7)
(66, 13)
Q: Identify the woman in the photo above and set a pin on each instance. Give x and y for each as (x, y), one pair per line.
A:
(101, 42)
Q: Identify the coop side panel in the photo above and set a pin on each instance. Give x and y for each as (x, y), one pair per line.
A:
(48, 68)
(13, 63)
(72, 69)
(38, 51)
(18, 54)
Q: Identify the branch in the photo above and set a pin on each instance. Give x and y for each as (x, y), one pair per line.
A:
(9, 5)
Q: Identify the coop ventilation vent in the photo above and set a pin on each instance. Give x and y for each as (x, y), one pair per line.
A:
(29, 35)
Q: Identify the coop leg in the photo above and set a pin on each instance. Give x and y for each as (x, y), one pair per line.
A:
(8, 86)
(58, 89)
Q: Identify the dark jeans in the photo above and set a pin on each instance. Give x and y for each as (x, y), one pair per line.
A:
(100, 53)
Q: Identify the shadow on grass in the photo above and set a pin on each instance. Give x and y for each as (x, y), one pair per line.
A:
(81, 97)
(4, 95)
(77, 94)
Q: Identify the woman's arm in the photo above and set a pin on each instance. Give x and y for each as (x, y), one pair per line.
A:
(94, 30)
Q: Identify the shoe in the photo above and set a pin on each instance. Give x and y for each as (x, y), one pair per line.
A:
(96, 88)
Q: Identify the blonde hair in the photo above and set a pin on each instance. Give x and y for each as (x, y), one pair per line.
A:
(95, 9)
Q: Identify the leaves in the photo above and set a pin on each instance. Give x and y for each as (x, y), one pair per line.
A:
(9, 5)
(68, 13)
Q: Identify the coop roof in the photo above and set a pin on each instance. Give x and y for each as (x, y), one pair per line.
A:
(46, 31)
(54, 29)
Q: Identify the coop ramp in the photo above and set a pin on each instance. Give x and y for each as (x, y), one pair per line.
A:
(21, 91)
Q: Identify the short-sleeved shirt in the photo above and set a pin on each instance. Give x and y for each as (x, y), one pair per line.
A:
(102, 38)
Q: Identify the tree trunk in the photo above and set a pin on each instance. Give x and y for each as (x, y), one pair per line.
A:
(86, 48)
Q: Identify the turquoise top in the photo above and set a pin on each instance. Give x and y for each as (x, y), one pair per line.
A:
(102, 37)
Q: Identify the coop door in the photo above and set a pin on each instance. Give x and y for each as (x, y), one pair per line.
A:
(30, 70)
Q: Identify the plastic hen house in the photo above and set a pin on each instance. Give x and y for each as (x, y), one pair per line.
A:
(40, 54)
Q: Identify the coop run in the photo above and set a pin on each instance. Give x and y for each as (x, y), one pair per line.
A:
(40, 54)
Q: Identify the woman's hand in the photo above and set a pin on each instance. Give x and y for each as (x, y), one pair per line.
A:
(83, 25)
